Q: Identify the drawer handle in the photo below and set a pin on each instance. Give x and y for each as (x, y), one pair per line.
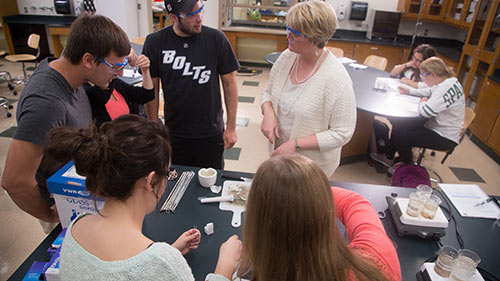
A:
(373, 48)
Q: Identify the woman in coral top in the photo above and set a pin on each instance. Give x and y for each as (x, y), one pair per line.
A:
(290, 232)
(120, 98)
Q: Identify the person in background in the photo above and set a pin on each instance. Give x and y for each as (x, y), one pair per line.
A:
(120, 98)
(96, 51)
(308, 103)
(189, 58)
(126, 162)
(290, 230)
(443, 104)
(409, 71)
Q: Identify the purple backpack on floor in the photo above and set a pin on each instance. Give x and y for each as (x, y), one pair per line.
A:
(410, 176)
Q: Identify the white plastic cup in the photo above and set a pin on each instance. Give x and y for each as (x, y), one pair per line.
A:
(424, 191)
(445, 260)
(431, 206)
(465, 265)
(207, 177)
(415, 205)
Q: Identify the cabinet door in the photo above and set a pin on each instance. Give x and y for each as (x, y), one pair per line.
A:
(493, 29)
(456, 11)
(392, 54)
(411, 9)
(434, 9)
(448, 61)
(494, 141)
(486, 111)
(475, 37)
(348, 47)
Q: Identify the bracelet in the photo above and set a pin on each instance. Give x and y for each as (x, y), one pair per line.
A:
(297, 146)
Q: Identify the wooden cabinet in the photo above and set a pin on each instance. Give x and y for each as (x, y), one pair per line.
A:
(234, 36)
(348, 47)
(394, 55)
(55, 36)
(431, 10)
(481, 49)
(494, 140)
(486, 125)
(448, 61)
(461, 12)
(9, 8)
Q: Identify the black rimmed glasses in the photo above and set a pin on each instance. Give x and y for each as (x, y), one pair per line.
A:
(115, 68)
(417, 60)
(193, 15)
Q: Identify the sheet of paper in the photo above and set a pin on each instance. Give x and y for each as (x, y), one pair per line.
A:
(71, 173)
(346, 60)
(130, 73)
(389, 84)
(465, 196)
(401, 101)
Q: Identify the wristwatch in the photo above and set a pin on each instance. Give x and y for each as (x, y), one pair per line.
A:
(297, 146)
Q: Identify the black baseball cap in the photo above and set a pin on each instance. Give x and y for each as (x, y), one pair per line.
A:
(176, 6)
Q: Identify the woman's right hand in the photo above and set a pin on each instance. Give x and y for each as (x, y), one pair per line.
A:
(229, 256)
(269, 127)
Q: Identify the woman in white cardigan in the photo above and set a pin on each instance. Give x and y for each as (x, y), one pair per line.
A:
(308, 104)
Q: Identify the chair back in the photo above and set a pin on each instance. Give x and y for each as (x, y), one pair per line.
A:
(338, 52)
(33, 41)
(376, 62)
(468, 118)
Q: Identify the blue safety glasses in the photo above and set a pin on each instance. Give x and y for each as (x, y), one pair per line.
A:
(296, 35)
(192, 16)
(115, 68)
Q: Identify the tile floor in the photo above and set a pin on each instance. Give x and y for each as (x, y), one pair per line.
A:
(21, 233)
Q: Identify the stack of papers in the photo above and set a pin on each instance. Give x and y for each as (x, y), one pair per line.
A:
(465, 197)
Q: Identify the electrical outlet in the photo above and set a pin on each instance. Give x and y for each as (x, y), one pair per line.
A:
(426, 31)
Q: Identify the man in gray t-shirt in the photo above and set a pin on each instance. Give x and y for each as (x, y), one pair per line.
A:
(96, 51)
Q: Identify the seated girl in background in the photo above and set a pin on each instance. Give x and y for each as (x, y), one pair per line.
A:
(443, 103)
(120, 98)
(290, 232)
(126, 162)
(409, 71)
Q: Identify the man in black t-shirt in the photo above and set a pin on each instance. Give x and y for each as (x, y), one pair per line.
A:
(189, 58)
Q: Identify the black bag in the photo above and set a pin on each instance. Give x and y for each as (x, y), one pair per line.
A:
(381, 131)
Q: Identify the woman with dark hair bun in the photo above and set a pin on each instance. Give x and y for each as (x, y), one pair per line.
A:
(126, 161)
(409, 72)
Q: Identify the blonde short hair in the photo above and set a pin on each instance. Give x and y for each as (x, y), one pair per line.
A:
(437, 66)
(316, 19)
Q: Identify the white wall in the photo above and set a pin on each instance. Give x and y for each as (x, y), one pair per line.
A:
(145, 18)
(125, 14)
(211, 15)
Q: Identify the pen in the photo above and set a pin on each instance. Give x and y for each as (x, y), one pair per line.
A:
(484, 202)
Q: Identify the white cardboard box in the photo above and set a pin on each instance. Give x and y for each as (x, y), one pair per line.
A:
(70, 195)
